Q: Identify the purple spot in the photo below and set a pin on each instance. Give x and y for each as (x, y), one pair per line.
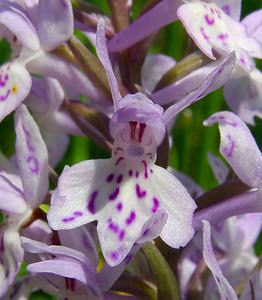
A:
(210, 21)
(119, 178)
(110, 177)
(242, 60)
(130, 173)
(64, 3)
(29, 146)
(146, 232)
(78, 213)
(69, 219)
(119, 206)
(228, 151)
(222, 36)
(206, 37)
(119, 160)
(151, 171)
(114, 195)
(114, 255)
(155, 205)
(145, 166)
(121, 235)
(128, 258)
(131, 218)
(137, 174)
(33, 164)
(113, 227)
(139, 192)
(91, 202)
(118, 149)
(4, 97)
(226, 9)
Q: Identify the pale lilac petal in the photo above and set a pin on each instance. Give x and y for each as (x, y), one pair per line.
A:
(179, 205)
(219, 168)
(243, 93)
(211, 29)
(14, 18)
(11, 255)
(230, 7)
(68, 74)
(37, 247)
(15, 84)
(238, 147)
(32, 157)
(213, 81)
(80, 239)
(245, 237)
(225, 289)
(192, 187)
(55, 23)
(159, 16)
(102, 53)
(185, 85)
(154, 67)
(253, 23)
(8, 190)
(249, 202)
(62, 267)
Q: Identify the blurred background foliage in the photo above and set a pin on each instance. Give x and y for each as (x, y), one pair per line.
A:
(191, 140)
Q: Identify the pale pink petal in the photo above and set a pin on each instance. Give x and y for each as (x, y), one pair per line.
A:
(253, 23)
(179, 205)
(225, 289)
(243, 93)
(102, 53)
(14, 18)
(32, 157)
(11, 256)
(212, 81)
(160, 15)
(9, 190)
(238, 147)
(55, 23)
(15, 85)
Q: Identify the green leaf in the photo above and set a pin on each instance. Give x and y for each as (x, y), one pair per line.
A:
(166, 282)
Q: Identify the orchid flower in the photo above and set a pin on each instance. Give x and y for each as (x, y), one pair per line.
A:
(123, 192)
(25, 189)
(30, 24)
